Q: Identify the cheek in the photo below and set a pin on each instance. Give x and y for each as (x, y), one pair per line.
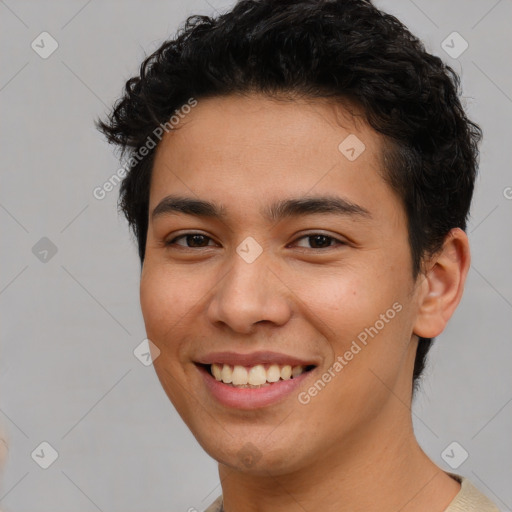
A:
(173, 299)
(165, 297)
(358, 311)
(166, 300)
(346, 300)
(154, 299)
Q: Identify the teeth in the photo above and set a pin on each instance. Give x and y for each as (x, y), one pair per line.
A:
(297, 370)
(257, 375)
(216, 371)
(286, 372)
(239, 375)
(273, 373)
(226, 374)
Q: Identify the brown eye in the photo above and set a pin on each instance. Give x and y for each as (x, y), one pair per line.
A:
(192, 240)
(320, 241)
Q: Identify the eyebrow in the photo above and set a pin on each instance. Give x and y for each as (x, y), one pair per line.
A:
(284, 208)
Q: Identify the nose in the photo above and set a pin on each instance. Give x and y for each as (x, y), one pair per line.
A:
(250, 293)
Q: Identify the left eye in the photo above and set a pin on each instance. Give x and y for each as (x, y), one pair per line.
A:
(320, 241)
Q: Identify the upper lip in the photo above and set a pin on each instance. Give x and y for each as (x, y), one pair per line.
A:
(252, 359)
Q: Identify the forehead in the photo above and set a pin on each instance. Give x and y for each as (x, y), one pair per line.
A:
(249, 149)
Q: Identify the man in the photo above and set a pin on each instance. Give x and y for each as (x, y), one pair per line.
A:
(300, 174)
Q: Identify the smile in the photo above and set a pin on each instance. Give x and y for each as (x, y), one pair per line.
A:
(252, 381)
(255, 376)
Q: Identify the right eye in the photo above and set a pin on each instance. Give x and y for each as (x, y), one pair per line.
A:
(192, 240)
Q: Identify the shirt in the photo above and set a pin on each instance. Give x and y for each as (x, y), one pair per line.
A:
(468, 499)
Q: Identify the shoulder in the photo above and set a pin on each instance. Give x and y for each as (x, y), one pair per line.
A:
(216, 506)
(470, 499)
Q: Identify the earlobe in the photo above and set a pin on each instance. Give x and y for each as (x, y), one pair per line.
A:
(443, 284)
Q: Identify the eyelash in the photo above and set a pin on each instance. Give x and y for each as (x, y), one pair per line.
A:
(171, 242)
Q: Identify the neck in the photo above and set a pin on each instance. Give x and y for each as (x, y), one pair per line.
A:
(381, 468)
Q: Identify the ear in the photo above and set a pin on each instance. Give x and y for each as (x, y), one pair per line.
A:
(442, 285)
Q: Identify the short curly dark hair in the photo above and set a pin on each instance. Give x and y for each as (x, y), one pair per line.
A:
(347, 50)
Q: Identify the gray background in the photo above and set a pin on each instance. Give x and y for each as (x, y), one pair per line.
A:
(70, 324)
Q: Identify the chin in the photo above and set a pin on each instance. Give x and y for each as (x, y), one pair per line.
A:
(252, 455)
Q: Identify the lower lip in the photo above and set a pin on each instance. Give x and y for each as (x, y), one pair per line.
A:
(251, 398)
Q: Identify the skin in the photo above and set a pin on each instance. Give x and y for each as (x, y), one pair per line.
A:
(352, 447)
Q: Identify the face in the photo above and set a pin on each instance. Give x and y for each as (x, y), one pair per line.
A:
(300, 259)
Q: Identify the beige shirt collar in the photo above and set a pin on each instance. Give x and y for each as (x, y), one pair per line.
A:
(468, 499)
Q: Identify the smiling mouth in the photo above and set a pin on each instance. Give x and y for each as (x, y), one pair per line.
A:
(257, 376)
